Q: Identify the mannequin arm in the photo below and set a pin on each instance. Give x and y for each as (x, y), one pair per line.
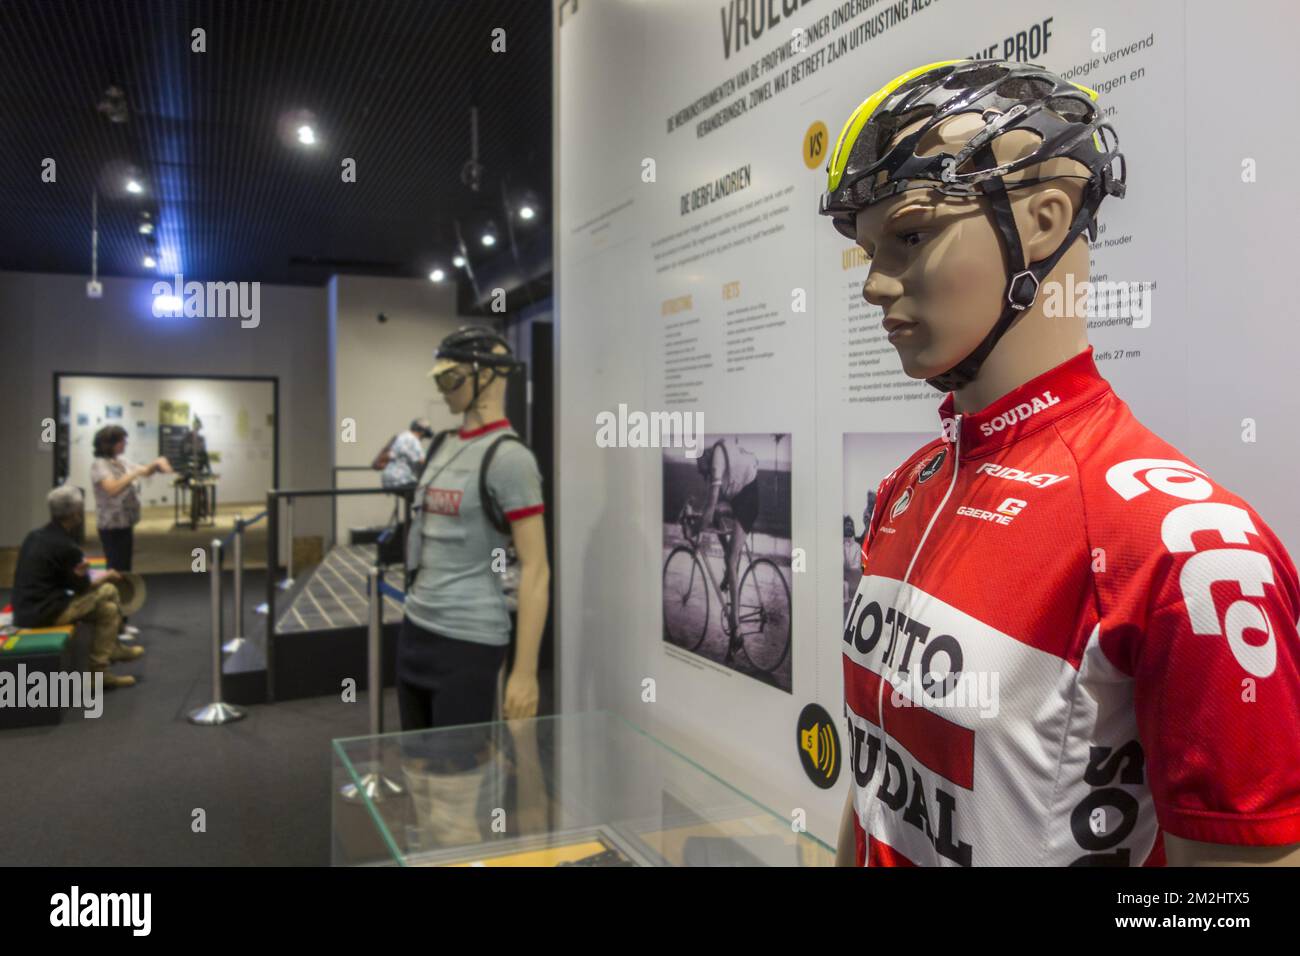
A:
(845, 850)
(534, 586)
(1181, 852)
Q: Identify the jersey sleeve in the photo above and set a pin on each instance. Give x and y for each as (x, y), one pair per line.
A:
(1203, 617)
(515, 482)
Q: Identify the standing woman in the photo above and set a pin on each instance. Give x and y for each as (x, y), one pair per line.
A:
(117, 503)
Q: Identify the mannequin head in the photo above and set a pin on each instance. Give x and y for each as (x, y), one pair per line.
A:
(455, 381)
(939, 269)
(971, 183)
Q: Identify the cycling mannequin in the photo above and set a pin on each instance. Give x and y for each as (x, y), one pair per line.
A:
(731, 508)
(455, 632)
(1045, 537)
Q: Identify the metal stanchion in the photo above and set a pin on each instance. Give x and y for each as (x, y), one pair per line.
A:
(374, 784)
(216, 712)
(236, 642)
(288, 565)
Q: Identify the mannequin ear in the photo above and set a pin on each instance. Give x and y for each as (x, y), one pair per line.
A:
(1048, 214)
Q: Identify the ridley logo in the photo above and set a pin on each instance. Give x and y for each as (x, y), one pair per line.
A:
(1015, 474)
(1022, 411)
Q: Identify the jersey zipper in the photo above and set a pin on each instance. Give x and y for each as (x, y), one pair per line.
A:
(880, 694)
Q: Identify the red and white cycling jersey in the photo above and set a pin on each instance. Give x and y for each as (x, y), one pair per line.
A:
(1068, 639)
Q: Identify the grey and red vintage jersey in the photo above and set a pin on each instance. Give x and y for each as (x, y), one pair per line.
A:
(1067, 640)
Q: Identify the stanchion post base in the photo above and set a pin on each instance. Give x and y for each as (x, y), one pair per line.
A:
(213, 714)
(375, 786)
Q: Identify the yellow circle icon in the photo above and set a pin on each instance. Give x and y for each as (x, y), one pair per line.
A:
(815, 144)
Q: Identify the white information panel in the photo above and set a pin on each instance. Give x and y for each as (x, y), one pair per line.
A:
(696, 283)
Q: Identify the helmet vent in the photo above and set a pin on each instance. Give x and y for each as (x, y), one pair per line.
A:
(1072, 109)
(980, 76)
(1025, 89)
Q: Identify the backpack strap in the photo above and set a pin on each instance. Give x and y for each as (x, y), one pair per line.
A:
(438, 439)
(496, 517)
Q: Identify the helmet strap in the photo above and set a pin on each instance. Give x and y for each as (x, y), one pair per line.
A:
(1023, 284)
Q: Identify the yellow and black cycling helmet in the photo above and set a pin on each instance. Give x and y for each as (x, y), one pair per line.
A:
(864, 168)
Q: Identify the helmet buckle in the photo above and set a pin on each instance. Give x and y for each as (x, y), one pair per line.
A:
(1022, 290)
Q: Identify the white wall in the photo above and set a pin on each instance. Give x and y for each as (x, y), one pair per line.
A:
(47, 324)
(379, 375)
(238, 425)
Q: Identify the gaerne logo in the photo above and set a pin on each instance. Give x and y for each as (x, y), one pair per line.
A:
(1008, 473)
(1018, 414)
(1006, 511)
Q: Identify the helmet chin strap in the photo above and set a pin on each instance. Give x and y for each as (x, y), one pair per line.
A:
(473, 403)
(1022, 287)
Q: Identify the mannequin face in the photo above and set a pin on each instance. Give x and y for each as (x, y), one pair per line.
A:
(460, 396)
(938, 267)
(937, 271)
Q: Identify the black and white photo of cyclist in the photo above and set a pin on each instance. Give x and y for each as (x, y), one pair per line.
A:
(727, 553)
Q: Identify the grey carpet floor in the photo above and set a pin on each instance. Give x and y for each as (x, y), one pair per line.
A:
(122, 790)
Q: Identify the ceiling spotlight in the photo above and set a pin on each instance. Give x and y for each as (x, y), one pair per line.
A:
(526, 212)
(437, 275)
(150, 262)
(146, 229)
(133, 186)
(306, 135)
(488, 240)
(458, 262)
(167, 305)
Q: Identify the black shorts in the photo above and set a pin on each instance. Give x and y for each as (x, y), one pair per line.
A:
(442, 681)
(744, 507)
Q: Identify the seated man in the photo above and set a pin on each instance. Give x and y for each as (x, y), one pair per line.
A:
(52, 585)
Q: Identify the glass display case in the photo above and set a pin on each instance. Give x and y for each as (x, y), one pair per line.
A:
(573, 790)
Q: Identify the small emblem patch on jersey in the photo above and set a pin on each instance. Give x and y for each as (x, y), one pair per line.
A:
(442, 501)
(932, 467)
(901, 504)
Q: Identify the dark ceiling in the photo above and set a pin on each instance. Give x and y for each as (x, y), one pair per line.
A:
(234, 196)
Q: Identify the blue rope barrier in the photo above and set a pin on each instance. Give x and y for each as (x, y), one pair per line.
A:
(392, 592)
(231, 537)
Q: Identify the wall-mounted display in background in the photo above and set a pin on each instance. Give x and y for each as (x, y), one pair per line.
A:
(173, 413)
